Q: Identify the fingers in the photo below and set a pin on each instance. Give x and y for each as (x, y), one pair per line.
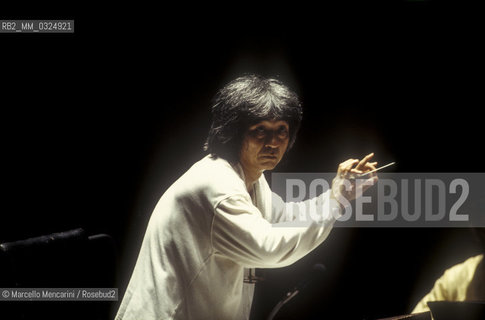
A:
(346, 166)
(356, 171)
(370, 166)
(361, 166)
(351, 169)
(364, 161)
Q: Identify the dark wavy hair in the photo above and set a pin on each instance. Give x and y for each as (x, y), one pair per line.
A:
(244, 102)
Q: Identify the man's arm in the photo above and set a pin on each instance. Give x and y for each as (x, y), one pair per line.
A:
(343, 190)
(240, 233)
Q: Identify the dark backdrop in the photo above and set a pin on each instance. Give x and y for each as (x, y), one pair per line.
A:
(96, 125)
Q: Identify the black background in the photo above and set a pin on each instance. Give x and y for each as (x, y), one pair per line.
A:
(97, 124)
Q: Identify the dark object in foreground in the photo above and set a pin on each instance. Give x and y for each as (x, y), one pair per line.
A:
(69, 259)
(451, 310)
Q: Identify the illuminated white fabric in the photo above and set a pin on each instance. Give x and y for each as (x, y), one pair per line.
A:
(459, 283)
(205, 230)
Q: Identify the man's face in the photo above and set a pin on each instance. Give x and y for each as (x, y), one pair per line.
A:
(264, 145)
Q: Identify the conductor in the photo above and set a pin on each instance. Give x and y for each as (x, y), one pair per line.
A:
(217, 220)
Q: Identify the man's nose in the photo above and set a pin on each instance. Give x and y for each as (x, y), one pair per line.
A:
(272, 140)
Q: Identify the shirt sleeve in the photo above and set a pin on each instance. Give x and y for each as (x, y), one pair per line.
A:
(438, 293)
(240, 232)
(316, 208)
(452, 285)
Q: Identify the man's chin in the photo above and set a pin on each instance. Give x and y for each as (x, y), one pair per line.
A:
(269, 164)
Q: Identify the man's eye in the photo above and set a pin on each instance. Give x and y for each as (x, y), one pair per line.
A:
(260, 132)
(283, 132)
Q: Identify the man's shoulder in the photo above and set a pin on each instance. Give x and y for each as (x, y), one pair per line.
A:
(469, 263)
(214, 177)
(463, 272)
(213, 169)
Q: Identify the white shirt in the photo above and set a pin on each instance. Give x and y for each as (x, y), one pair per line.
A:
(461, 282)
(203, 233)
